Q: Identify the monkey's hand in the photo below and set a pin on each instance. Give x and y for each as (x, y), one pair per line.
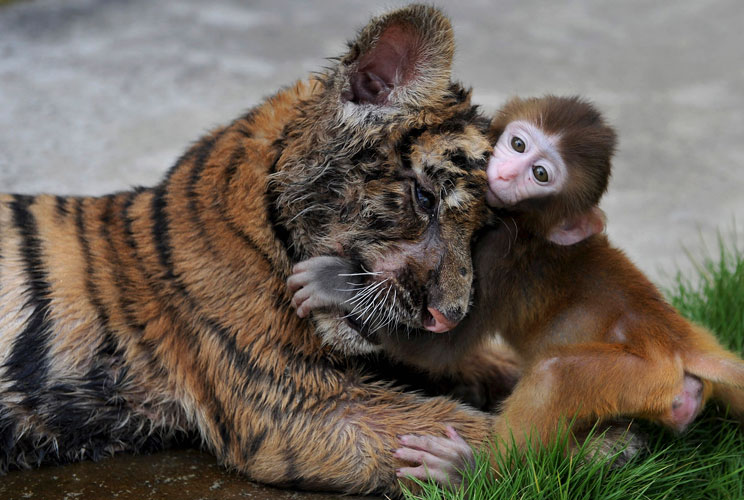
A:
(323, 281)
(441, 459)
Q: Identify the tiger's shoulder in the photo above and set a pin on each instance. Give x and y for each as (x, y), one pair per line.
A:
(102, 299)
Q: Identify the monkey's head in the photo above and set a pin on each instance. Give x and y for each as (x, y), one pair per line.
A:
(386, 165)
(551, 161)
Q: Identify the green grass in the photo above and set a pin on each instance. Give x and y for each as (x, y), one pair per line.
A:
(705, 463)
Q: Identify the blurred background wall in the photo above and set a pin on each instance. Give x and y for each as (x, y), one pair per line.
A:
(96, 96)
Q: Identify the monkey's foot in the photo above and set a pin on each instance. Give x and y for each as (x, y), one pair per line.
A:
(686, 405)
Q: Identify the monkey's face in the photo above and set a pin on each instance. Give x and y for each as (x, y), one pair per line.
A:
(526, 164)
(551, 160)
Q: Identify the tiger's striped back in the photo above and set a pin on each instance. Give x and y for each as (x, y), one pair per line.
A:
(67, 388)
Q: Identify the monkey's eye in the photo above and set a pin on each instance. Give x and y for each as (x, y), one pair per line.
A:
(517, 144)
(425, 199)
(540, 173)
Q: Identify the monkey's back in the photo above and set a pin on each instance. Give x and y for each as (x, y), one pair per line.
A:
(548, 294)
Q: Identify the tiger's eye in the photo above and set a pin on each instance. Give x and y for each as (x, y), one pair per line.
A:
(425, 199)
(517, 144)
(540, 173)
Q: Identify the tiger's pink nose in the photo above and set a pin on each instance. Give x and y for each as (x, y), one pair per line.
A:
(438, 323)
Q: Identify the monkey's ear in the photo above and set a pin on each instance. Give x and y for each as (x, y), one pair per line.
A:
(578, 228)
(404, 57)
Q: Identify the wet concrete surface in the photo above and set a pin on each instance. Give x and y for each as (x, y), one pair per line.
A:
(177, 474)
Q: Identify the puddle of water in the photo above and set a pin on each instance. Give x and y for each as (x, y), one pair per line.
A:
(182, 474)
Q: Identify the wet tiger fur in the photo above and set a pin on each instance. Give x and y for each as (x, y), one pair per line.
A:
(131, 319)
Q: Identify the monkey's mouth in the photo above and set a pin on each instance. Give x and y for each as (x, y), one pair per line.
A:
(494, 200)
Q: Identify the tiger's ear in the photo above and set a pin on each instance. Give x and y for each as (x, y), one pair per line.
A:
(401, 58)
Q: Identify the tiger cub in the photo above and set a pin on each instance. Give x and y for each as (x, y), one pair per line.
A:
(131, 319)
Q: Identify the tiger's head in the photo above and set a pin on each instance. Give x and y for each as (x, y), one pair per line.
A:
(386, 165)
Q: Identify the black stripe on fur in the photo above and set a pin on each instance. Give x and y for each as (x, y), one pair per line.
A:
(27, 364)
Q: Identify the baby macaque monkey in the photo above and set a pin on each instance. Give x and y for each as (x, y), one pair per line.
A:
(596, 338)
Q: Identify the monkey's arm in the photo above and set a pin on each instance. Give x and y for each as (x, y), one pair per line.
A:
(323, 281)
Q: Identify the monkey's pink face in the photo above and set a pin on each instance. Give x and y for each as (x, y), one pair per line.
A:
(525, 164)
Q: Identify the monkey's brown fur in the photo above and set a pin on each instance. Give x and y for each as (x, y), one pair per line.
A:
(596, 337)
(128, 319)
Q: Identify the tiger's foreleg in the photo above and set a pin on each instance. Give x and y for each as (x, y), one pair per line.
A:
(347, 444)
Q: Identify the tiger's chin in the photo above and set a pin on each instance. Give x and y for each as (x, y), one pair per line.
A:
(345, 335)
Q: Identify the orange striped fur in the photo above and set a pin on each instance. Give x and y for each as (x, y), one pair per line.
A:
(130, 320)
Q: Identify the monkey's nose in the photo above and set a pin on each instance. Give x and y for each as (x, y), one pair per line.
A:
(503, 170)
(438, 322)
(508, 172)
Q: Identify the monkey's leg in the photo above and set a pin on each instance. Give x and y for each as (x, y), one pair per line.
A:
(705, 357)
(483, 378)
(579, 384)
(731, 398)
(587, 382)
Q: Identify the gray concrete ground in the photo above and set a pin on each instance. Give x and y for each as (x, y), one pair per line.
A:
(96, 96)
